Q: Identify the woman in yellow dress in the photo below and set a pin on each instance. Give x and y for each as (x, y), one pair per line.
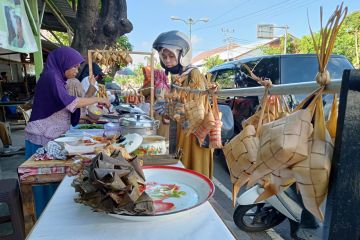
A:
(175, 54)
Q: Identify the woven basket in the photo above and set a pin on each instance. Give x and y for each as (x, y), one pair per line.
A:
(276, 107)
(207, 125)
(194, 112)
(284, 142)
(215, 132)
(312, 174)
(275, 183)
(240, 153)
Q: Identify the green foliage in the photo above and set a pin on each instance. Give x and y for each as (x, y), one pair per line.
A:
(211, 62)
(123, 43)
(345, 41)
(133, 80)
(290, 48)
(344, 45)
(64, 38)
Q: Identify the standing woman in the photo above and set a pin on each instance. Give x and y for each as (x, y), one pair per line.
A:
(175, 53)
(54, 109)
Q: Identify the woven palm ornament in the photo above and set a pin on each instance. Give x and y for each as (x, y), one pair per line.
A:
(207, 125)
(312, 174)
(290, 143)
(215, 132)
(240, 153)
(194, 111)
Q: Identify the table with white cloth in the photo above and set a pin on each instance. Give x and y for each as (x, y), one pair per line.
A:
(63, 218)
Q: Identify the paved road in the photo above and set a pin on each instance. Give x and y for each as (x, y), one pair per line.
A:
(223, 199)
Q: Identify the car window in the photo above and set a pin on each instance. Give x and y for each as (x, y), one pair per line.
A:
(225, 78)
(263, 68)
(268, 68)
(304, 69)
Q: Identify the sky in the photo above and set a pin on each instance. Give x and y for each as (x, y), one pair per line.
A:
(227, 18)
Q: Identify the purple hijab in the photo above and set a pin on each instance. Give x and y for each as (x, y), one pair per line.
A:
(51, 95)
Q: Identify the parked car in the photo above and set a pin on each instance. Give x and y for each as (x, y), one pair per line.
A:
(281, 69)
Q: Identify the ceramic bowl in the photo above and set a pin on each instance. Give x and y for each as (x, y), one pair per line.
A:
(152, 145)
(94, 112)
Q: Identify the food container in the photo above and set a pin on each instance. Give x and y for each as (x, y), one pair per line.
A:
(128, 108)
(111, 129)
(152, 145)
(140, 124)
(94, 112)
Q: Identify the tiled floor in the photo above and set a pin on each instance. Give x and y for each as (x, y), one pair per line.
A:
(8, 169)
(8, 165)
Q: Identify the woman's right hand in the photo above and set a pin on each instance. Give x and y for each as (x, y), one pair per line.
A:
(104, 101)
(92, 80)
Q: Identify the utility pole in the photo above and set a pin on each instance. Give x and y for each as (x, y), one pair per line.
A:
(285, 40)
(228, 39)
(190, 21)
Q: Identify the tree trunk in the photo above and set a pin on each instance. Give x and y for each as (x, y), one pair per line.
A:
(97, 27)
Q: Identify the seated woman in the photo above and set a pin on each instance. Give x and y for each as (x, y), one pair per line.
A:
(53, 108)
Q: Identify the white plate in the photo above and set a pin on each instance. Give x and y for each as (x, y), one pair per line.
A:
(68, 140)
(197, 190)
(132, 142)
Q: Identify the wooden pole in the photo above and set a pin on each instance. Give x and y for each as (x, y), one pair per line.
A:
(152, 85)
(151, 54)
(91, 75)
(38, 57)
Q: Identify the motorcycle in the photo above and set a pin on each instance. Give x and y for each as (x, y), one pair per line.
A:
(255, 217)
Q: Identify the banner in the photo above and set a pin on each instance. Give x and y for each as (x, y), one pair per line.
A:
(15, 30)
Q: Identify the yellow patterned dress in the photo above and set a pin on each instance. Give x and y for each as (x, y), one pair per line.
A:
(193, 156)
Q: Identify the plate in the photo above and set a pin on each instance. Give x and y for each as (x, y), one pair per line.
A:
(189, 191)
(68, 140)
(132, 142)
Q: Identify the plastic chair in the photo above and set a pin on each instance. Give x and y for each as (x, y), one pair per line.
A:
(10, 194)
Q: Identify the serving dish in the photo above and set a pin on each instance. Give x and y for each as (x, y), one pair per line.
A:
(175, 191)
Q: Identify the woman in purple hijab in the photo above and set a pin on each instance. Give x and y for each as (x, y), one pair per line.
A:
(54, 109)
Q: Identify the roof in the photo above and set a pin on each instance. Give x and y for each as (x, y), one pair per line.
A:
(11, 56)
(212, 52)
(236, 51)
(50, 22)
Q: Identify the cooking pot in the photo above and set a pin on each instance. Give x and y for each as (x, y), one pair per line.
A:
(138, 123)
(128, 108)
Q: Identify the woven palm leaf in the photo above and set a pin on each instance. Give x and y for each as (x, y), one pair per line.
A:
(283, 143)
(276, 182)
(240, 153)
(312, 174)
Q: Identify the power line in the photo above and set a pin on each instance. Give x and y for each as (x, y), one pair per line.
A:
(246, 15)
(228, 11)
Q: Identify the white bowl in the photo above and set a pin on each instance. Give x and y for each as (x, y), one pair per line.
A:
(68, 140)
(152, 145)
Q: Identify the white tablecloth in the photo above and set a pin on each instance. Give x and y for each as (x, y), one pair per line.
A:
(65, 219)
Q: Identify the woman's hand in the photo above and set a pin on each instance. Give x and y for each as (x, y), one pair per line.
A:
(92, 80)
(104, 101)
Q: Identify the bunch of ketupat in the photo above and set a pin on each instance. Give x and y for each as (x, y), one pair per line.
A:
(113, 185)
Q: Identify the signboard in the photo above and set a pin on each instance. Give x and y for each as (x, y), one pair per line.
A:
(265, 31)
(15, 31)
